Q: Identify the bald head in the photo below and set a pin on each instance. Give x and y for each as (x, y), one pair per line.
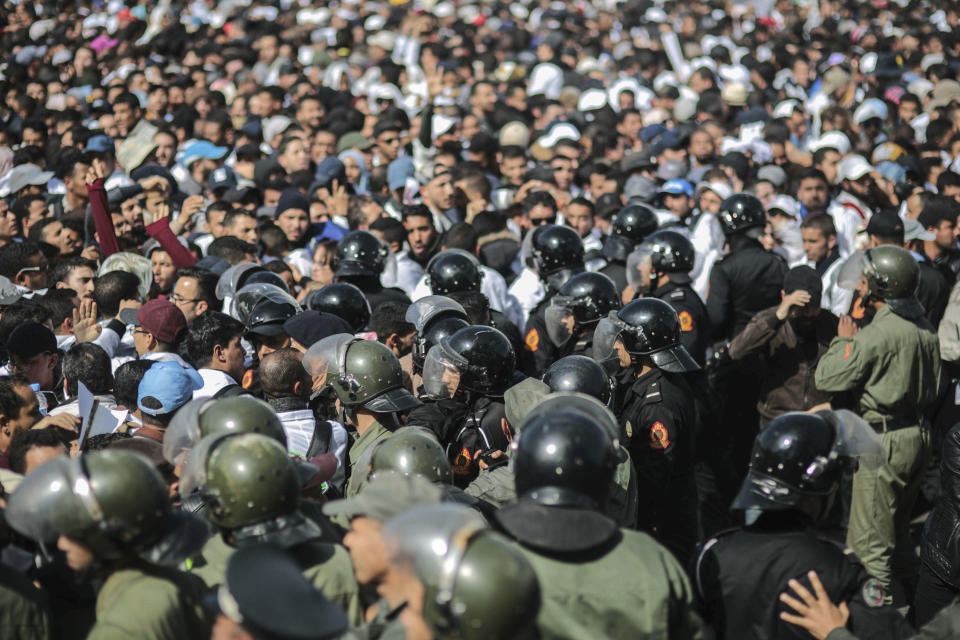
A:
(280, 373)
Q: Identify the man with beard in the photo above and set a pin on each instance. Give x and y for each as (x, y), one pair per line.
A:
(858, 199)
(423, 242)
(789, 339)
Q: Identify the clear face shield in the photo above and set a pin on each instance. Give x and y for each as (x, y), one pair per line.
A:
(560, 320)
(855, 439)
(324, 360)
(249, 296)
(441, 373)
(421, 312)
(194, 474)
(852, 271)
(55, 499)
(183, 431)
(639, 269)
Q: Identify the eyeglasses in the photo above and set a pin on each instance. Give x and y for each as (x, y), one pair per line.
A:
(25, 269)
(141, 331)
(389, 140)
(178, 299)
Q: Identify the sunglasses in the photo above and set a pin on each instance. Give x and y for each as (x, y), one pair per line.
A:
(540, 221)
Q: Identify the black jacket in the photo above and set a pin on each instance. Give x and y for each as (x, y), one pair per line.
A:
(745, 282)
(692, 313)
(739, 576)
(940, 550)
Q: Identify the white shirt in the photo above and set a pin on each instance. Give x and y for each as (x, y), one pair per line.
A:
(850, 216)
(213, 381)
(409, 273)
(528, 291)
(834, 297)
(708, 240)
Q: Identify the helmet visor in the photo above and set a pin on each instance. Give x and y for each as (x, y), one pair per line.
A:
(765, 492)
(605, 337)
(52, 500)
(854, 437)
(324, 359)
(249, 296)
(183, 431)
(227, 284)
(852, 270)
(675, 359)
(441, 375)
(560, 322)
(639, 267)
(421, 312)
(194, 473)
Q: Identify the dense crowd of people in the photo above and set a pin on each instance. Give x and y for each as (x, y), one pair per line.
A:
(445, 319)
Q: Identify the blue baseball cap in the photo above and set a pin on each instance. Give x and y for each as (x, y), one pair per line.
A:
(170, 384)
(676, 187)
(99, 144)
(202, 149)
(398, 171)
(222, 178)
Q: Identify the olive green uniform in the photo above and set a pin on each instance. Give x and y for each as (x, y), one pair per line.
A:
(496, 487)
(637, 589)
(359, 456)
(892, 367)
(24, 613)
(384, 626)
(150, 603)
(327, 566)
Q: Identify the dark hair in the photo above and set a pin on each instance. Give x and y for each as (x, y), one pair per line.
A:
(20, 312)
(205, 332)
(10, 400)
(390, 318)
(232, 249)
(274, 241)
(127, 98)
(25, 440)
(822, 222)
(538, 198)
(415, 211)
(101, 441)
(36, 231)
(512, 151)
(234, 214)
(811, 173)
(206, 284)
(126, 382)
(947, 179)
(59, 303)
(461, 235)
(87, 363)
(110, 289)
(475, 304)
(62, 269)
(938, 208)
(391, 228)
(279, 371)
(277, 266)
(13, 257)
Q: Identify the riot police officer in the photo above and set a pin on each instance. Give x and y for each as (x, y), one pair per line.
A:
(597, 580)
(632, 224)
(266, 334)
(661, 268)
(573, 313)
(795, 470)
(344, 300)
(557, 253)
(251, 490)
(473, 583)
(367, 379)
(657, 414)
(110, 513)
(745, 282)
(434, 318)
(360, 260)
(464, 377)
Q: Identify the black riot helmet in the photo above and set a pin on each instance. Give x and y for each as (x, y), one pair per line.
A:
(646, 327)
(434, 318)
(360, 253)
(634, 222)
(476, 359)
(802, 454)
(564, 458)
(557, 253)
(741, 212)
(453, 270)
(254, 276)
(581, 374)
(344, 300)
(670, 252)
(580, 303)
(268, 316)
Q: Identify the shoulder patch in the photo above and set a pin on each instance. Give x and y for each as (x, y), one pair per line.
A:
(686, 321)
(653, 393)
(659, 436)
(858, 310)
(873, 593)
(532, 341)
(247, 379)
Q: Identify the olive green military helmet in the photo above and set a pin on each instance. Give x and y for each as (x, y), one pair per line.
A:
(114, 502)
(892, 275)
(207, 416)
(243, 478)
(412, 450)
(361, 372)
(477, 584)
